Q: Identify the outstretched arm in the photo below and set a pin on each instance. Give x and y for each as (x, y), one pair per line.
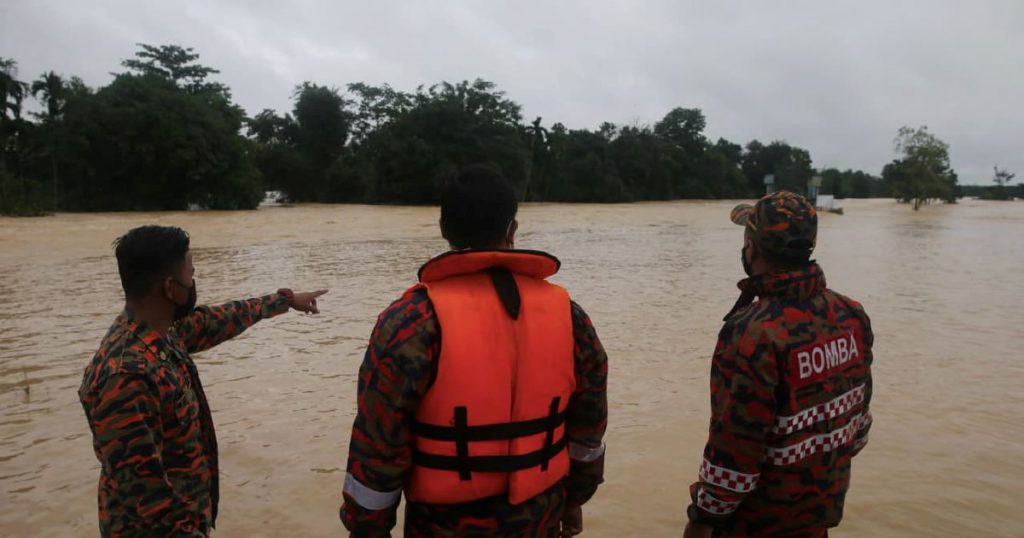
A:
(209, 326)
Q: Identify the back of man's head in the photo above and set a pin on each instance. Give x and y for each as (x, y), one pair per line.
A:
(783, 226)
(147, 254)
(477, 208)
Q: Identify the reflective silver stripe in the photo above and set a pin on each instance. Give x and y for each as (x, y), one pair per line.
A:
(727, 478)
(825, 442)
(860, 443)
(370, 499)
(584, 453)
(831, 409)
(712, 505)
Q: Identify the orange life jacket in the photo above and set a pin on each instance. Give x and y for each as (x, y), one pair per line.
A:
(493, 422)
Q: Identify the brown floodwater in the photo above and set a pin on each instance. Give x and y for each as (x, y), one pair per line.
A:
(943, 285)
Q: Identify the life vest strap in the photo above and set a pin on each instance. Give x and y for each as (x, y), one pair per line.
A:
(462, 434)
(507, 289)
(490, 432)
(550, 437)
(489, 464)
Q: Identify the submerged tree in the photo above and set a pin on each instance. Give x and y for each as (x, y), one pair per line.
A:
(1001, 178)
(923, 172)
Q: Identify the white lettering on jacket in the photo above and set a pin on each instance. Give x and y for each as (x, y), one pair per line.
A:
(822, 358)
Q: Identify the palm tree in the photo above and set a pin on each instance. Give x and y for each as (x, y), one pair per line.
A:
(537, 141)
(12, 90)
(12, 93)
(52, 86)
(53, 89)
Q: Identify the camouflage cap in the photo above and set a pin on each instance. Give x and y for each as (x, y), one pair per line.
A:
(781, 223)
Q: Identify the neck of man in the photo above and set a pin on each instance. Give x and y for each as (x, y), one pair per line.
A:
(503, 245)
(156, 316)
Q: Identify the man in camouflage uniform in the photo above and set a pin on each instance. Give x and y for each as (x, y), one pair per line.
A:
(401, 364)
(151, 424)
(790, 388)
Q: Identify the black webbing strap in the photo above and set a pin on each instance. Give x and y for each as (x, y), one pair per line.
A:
(489, 464)
(491, 432)
(462, 443)
(462, 434)
(507, 289)
(549, 439)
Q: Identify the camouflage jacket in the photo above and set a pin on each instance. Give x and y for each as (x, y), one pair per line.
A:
(790, 395)
(395, 375)
(151, 425)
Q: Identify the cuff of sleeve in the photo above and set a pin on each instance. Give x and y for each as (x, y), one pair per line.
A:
(369, 498)
(278, 303)
(701, 517)
(583, 480)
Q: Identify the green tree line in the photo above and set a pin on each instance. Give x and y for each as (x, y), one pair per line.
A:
(163, 136)
(1002, 190)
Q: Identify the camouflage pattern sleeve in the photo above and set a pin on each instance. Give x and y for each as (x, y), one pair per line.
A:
(743, 410)
(587, 414)
(127, 436)
(209, 326)
(395, 375)
(861, 439)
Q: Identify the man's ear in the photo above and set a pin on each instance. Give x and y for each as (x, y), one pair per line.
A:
(166, 288)
(510, 237)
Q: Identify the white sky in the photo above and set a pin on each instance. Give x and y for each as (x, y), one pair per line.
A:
(835, 77)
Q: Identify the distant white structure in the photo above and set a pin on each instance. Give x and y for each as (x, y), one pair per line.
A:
(271, 198)
(813, 186)
(826, 202)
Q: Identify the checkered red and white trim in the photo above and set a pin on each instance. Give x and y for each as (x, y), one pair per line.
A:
(825, 442)
(712, 505)
(727, 478)
(831, 409)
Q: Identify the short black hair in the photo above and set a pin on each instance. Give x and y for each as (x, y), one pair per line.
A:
(147, 254)
(477, 206)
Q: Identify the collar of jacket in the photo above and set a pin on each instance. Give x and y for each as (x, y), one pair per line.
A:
(798, 284)
(146, 334)
(532, 263)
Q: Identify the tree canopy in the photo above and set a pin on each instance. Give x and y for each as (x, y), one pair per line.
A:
(922, 172)
(163, 134)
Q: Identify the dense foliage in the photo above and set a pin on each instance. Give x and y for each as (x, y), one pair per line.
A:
(922, 172)
(163, 136)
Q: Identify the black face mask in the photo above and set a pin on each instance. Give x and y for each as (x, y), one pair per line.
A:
(183, 310)
(747, 266)
(746, 296)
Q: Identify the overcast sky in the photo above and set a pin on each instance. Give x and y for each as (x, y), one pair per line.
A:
(835, 77)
